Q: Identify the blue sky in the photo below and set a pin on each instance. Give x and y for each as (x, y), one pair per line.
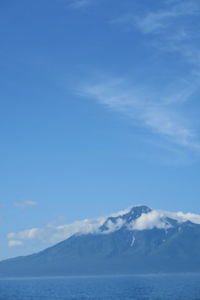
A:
(99, 110)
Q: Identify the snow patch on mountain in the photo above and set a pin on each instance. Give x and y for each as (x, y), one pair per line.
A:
(133, 241)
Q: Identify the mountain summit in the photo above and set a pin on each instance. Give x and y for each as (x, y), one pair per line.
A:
(126, 219)
(139, 240)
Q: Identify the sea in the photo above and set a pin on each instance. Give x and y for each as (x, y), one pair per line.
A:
(137, 287)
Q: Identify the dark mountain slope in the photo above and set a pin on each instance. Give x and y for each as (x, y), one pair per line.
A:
(123, 251)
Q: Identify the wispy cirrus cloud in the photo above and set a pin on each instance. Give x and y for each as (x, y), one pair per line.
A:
(79, 3)
(25, 204)
(172, 28)
(160, 20)
(159, 117)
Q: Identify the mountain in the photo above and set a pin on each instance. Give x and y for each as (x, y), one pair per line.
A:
(140, 240)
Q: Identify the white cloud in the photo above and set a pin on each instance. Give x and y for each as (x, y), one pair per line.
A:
(143, 107)
(25, 204)
(158, 219)
(111, 226)
(15, 243)
(153, 219)
(183, 217)
(52, 234)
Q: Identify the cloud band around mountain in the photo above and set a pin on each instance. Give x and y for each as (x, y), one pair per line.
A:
(50, 234)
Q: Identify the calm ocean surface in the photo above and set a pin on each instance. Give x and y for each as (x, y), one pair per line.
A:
(147, 287)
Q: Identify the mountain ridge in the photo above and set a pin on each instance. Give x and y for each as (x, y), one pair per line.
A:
(141, 240)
